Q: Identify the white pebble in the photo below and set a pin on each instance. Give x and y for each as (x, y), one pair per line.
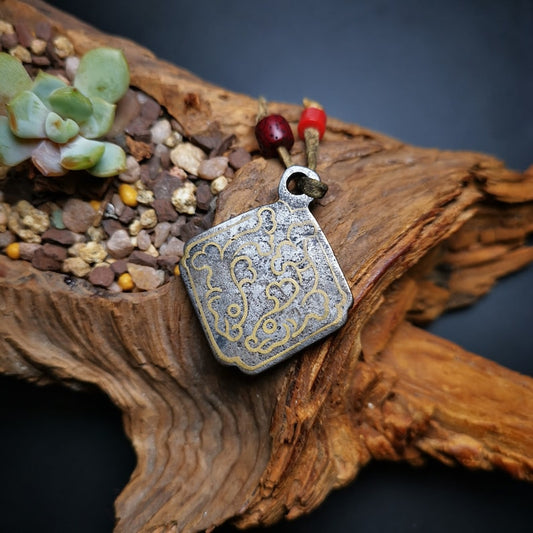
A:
(219, 184)
(188, 157)
(71, 66)
(184, 198)
(161, 131)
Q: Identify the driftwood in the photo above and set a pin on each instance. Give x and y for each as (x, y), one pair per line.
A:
(416, 231)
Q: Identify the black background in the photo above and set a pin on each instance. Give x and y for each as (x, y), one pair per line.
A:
(455, 74)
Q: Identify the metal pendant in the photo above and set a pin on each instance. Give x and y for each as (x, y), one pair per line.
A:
(265, 284)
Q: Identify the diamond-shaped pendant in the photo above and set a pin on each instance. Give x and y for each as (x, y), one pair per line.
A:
(266, 284)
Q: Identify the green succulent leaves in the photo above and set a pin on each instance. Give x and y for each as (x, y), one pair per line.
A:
(103, 73)
(56, 124)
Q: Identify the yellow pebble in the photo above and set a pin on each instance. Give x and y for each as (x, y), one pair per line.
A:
(128, 194)
(13, 250)
(177, 270)
(95, 204)
(125, 282)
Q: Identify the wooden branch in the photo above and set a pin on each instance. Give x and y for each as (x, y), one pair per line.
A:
(416, 231)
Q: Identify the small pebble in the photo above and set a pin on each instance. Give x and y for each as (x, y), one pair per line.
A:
(209, 169)
(144, 277)
(128, 194)
(142, 258)
(6, 238)
(119, 245)
(163, 153)
(101, 276)
(143, 240)
(13, 250)
(162, 231)
(63, 47)
(119, 266)
(148, 219)
(72, 64)
(160, 131)
(184, 198)
(96, 234)
(127, 215)
(34, 219)
(188, 157)
(173, 139)
(125, 282)
(38, 47)
(21, 53)
(59, 253)
(135, 227)
(165, 210)
(6, 28)
(59, 236)
(42, 261)
(76, 266)
(92, 252)
(219, 184)
(118, 205)
(111, 225)
(78, 215)
(239, 157)
(27, 250)
(145, 197)
(174, 246)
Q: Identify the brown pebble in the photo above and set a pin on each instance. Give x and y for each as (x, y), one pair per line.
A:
(239, 157)
(78, 215)
(120, 266)
(59, 253)
(193, 227)
(9, 40)
(27, 249)
(119, 245)
(166, 184)
(230, 173)
(203, 195)
(40, 61)
(111, 225)
(139, 129)
(101, 276)
(127, 215)
(41, 261)
(142, 258)
(223, 146)
(43, 30)
(59, 236)
(209, 139)
(161, 232)
(24, 34)
(176, 227)
(143, 240)
(174, 246)
(128, 108)
(168, 261)
(150, 110)
(165, 211)
(6, 238)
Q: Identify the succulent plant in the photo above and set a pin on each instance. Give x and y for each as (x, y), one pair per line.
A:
(58, 125)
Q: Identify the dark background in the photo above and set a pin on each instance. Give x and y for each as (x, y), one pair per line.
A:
(454, 74)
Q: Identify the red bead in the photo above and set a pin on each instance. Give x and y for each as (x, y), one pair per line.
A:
(272, 132)
(312, 117)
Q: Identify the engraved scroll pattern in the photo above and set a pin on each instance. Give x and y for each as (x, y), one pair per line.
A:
(260, 281)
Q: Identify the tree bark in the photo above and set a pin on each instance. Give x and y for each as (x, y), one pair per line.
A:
(416, 231)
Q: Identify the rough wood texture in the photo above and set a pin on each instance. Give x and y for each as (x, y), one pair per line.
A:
(416, 231)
